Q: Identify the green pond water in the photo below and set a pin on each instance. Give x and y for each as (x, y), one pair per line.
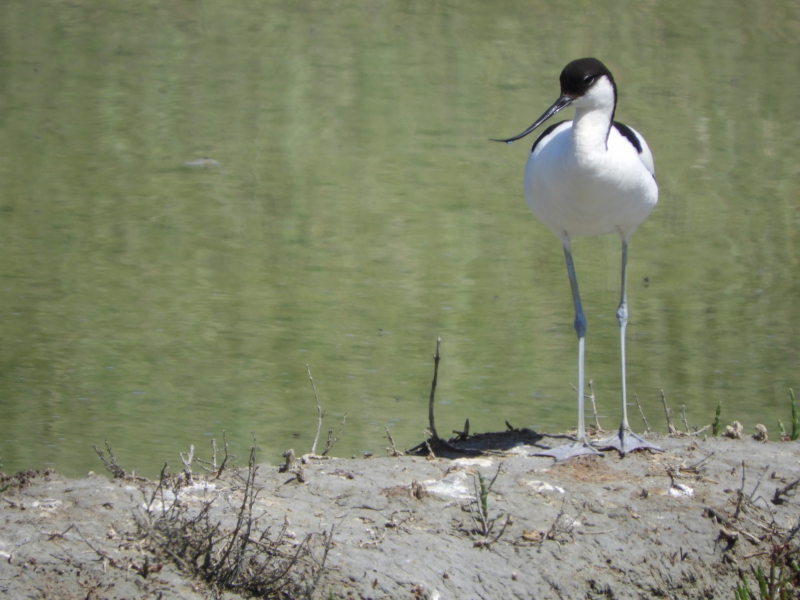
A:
(352, 210)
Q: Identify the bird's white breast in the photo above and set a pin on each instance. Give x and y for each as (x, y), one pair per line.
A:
(579, 193)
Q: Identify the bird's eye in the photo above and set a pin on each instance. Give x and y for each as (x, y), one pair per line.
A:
(588, 80)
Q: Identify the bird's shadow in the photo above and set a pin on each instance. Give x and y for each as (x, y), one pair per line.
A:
(486, 443)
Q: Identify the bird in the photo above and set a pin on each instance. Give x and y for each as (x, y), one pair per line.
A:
(587, 177)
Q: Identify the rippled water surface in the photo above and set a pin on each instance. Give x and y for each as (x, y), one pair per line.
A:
(201, 198)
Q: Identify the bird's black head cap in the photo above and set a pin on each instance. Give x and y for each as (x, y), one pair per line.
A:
(579, 75)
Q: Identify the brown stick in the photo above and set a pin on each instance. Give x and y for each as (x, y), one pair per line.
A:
(224, 460)
(641, 412)
(776, 499)
(594, 407)
(667, 412)
(329, 445)
(683, 418)
(431, 423)
(187, 462)
(394, 451)
(592, 399)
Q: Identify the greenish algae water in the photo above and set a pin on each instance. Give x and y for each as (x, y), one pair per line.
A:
(358, 211)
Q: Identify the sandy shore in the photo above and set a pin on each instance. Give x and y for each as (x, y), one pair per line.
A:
(669, 525)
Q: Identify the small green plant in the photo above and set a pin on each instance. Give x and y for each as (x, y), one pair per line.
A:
(763, 588)
(484, 524)
(778, 586)
(795, 427)
(484, 495)
(743, 589)
(715, 426)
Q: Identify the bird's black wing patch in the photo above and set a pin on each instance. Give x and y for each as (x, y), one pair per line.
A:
(547, 132)
(628, 134)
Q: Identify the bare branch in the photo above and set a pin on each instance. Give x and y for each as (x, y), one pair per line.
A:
(187, 462)
(393, 451)
(668, 412)
(432, 425)
(329, 445)
(641, 412)
(111, 464)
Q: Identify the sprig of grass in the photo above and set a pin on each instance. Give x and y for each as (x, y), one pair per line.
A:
(795, 426)
(775, 587)
(742, 591)
(763, 588)
(715, 426)
(484, 496)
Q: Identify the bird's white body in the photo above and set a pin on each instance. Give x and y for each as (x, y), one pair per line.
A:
(583, 179)
(605, 192)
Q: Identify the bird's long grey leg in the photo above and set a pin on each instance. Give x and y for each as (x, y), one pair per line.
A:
(580, 329)
(582, 445)
(625, 440)
(622, 319)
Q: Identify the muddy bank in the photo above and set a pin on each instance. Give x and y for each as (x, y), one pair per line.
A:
(671, 525)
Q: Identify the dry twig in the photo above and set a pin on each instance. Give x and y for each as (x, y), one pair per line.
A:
(110, 463)
(641, 412)
(741, 493)
(187, 462)
(330, 444)
(760, 479)
(431, 455)
(683, 418)
(789, 490)
(597, 427)
(212, 465)
(431, 423)
(668, 412)
(393, 451)
(592, 399)
(244, 558)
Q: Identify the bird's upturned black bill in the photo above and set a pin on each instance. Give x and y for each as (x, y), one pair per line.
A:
(561, 103)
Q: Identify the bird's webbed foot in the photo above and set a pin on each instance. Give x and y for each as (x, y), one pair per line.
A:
(569, 451)
(625, 442)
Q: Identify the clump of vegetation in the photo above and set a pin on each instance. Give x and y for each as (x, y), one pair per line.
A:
(243, 557)
(777, 577)
(778, 585)
(111, 464)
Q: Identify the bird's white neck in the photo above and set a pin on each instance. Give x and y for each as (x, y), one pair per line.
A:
(590, 131)
(593, 114)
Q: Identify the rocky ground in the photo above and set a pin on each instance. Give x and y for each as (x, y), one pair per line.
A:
(679, 524)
